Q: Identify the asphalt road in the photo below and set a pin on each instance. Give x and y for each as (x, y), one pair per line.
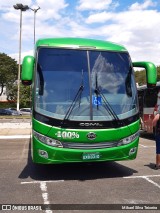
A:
(128, 183)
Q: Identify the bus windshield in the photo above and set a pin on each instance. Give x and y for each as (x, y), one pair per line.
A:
(85, 85)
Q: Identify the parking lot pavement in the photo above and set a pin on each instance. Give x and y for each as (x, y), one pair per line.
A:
(132, 184)
(128, 183)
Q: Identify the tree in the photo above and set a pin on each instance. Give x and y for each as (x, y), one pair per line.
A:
(25, 96)
(8, 78)
(8, 71)
(140, 76)
(158, 73)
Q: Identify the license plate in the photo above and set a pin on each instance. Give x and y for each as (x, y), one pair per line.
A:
(90, 156)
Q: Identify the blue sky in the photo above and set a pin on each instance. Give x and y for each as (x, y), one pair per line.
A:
(132, 23)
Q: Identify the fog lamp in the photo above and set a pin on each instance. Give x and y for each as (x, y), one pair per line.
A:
(132, 151)
(43, 153)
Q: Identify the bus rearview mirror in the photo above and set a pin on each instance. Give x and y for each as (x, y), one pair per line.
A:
(27, 70)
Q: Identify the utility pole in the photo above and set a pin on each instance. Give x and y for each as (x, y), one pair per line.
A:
(35, 11)
(22, 8)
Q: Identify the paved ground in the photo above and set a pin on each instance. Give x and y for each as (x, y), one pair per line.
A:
(128, 183)
(15, 127)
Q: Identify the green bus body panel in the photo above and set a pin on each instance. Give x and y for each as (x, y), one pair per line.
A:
(61, 155)
(113, 134)
(64, 155)
(27, 68)
(80, 43)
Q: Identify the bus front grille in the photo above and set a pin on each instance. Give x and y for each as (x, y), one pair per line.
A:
(99, 145)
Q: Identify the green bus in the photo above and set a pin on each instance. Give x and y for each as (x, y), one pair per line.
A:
(84, 100)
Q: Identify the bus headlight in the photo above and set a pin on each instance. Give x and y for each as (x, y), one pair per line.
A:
(129, 139)
(47, 140)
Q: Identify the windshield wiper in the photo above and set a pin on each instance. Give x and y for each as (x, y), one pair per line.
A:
(96, 91)
(41, 80)
(77, 96)
(128, 83)
(107, 105)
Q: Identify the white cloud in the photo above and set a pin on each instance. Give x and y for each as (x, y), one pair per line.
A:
(145, 5)
(93, 4)
(99, 17)
(136, 29)
(16, 55)
(4, 5)
(52, 4)
(123, 26)
(51, 9)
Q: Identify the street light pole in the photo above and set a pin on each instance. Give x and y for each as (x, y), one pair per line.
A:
(35, 11)
(20, 7)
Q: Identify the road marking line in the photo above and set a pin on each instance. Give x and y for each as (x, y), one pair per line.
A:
(43, 187)
(151, 181)
(14, 136)
(143, 176)
(146, 177)
(45, 181)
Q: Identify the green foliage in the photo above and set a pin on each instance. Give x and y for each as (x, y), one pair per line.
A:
(25, 96)
(140, 76)
(8, 78)
(8, 71)
(158, 73)
(7, 105)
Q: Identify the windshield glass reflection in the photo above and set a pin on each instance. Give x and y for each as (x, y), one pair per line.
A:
(106, 77)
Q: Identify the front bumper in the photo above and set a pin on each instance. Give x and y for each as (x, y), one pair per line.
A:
(44, 154)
